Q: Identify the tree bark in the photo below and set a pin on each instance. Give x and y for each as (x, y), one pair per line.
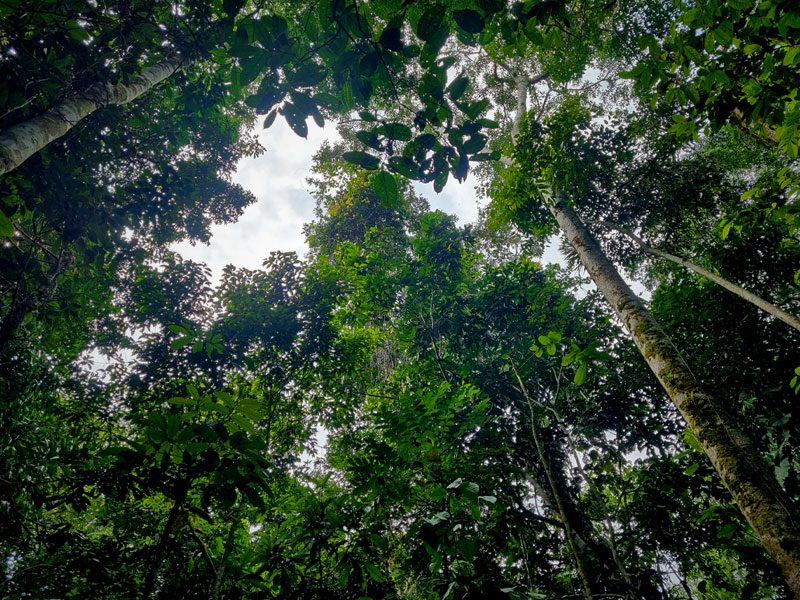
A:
(764, 305)
(575, 544)
(751, 482)
(181, 491)
(23, 140)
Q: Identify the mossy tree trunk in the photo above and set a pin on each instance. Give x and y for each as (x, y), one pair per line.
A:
(751, 482)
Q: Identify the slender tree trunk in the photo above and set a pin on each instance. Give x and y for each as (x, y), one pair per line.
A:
(749, 479)
(767, 307)
(574, 543)
(522, 102)
(219, 580)
(181, 491)
(23, 140)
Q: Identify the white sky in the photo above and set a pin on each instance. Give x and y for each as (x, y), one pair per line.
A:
(275, 221)
(283, 205)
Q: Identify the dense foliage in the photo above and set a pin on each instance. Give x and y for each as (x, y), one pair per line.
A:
(416, 409)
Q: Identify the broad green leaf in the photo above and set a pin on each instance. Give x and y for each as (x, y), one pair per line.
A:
(181, 401)
(362, 159)
(181, 342)
(270, 119)
(395, 131)
(457, 88)
(580, 374)
(470, 21)
(385, 187)
(391, 39)
(374, 572)
(6, 226)
(430, 23)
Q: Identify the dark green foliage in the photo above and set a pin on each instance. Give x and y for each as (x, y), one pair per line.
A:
(416, 410)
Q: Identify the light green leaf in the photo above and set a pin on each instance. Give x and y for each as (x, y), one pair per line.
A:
(580, 374)
(6, 226)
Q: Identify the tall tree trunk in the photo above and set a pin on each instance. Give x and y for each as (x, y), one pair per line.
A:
(181, 491)
(555, 498)
(767, 307)
(23, 140)
(751, 482)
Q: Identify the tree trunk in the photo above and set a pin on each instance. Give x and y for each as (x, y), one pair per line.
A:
(23, 140)
(181, 491)
(749, 479)
(556, 499)
(767, 307)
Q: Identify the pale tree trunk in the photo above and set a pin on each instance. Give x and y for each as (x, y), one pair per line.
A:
(23, 140)
(751, 482)
(767, 307)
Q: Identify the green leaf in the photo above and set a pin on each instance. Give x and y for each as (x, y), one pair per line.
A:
(692, 469)
(470, 21)
(486, 156)
(429, 23)
(782, 471)
(395, 131)
(308, 75)
(6, 226)
(391, 39)
(792, 56)
(181, 342)
(250, 409)
(438, 493)
(580, 374)
(385, 187)
(177, 400)
(369, 138)
(270, 119)
(474, 109)
(426, 140)
(404, 166)
(691, 440)
(475, 144)
(750, 49)
(471, 488)
(440, 181)
(457, 88)
(724, 33)
(362, 159)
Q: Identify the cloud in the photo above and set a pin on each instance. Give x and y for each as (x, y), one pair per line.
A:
(283, 203)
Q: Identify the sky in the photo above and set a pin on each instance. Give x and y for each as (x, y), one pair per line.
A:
(283, 204)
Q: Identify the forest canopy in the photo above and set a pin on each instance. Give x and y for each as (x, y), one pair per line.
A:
(416, 409)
